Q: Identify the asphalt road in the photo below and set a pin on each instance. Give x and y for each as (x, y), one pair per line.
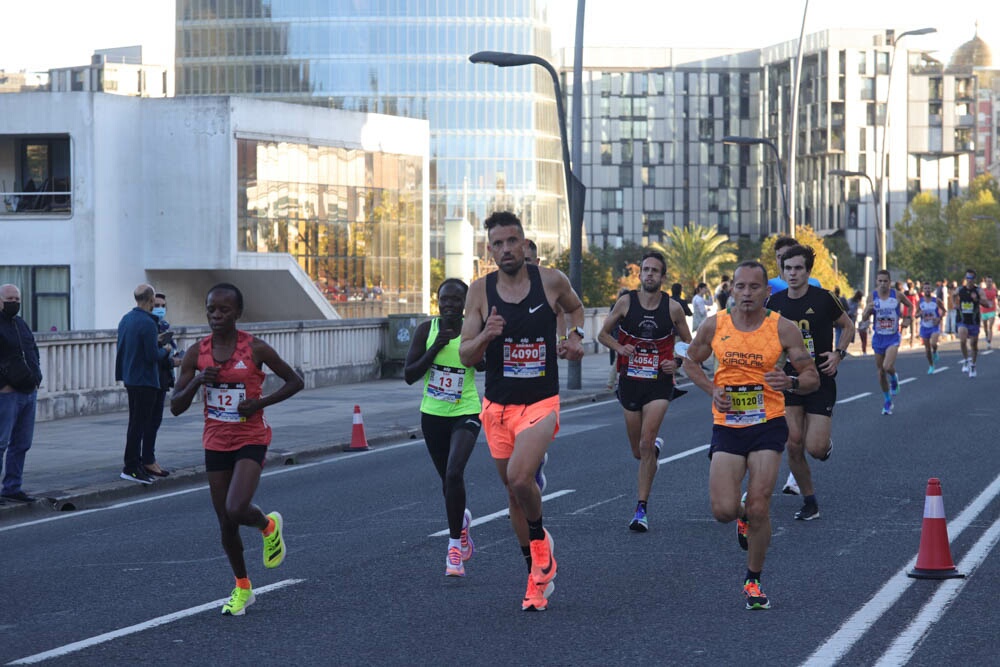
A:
(363, 582)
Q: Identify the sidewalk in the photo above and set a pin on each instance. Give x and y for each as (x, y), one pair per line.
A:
(75, 463)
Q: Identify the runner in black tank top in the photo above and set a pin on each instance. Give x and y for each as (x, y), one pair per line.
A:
(510, 320)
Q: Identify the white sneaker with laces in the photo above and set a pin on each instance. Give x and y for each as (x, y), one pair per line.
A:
(972, 370)
(791, 486)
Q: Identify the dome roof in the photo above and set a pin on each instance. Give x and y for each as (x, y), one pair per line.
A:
(974, 53)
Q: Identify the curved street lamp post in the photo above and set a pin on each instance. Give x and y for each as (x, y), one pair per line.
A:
(753, 141)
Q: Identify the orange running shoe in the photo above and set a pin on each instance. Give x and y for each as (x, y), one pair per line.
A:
(742, 524)
(755, 597)
(453, 565)
(536, 597)
(468, 548)
(543, 561)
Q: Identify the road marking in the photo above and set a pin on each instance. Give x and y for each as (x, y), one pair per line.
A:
(851, 631)
(854, 398)
(139, 627)
(940, 369)
(598, 504)
(502, 513)
(906, 643)
(689, 452)
(907, 380)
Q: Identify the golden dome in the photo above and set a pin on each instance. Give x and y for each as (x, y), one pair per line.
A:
(974, 53)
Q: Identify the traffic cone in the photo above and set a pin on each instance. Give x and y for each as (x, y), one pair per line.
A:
(934, 558)
(359, 442)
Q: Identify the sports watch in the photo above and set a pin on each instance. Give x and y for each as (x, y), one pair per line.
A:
(578, 331)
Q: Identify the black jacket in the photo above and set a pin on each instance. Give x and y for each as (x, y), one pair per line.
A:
(15, 338)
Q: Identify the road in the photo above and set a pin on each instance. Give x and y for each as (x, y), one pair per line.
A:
(363, 584)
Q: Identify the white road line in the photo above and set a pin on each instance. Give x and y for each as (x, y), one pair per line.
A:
(906, 643)
(603, 502)
(502, 513)
(840, 642)
(940, 369)
(854, 398)
(689, 452)
(139, 627)
(907, 380)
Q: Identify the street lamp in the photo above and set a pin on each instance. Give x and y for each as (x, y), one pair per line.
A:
(752, 141)
(885, 132)
(879, 222)
(575, 189)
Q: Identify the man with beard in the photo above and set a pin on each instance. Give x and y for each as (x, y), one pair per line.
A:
(511, 322)
(648, 322)
(970, 298)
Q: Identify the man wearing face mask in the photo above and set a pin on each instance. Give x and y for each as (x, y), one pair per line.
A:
(166, 371)
(20, 375)
(141, 349)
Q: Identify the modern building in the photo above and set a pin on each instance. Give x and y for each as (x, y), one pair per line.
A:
(654, 120)
(120, 71)
(494, 133)
(315, 213)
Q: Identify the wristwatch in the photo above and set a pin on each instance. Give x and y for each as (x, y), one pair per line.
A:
(842, 353)
(795, 383)
(578, 331)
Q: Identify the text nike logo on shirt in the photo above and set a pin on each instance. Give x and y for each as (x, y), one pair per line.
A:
(531, 310)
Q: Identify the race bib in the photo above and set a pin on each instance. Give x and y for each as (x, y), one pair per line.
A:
(810, 343)
(747, 406)
(968, 307)
(523, 359)
(643, 365)
(885, 325)
(221, 401)
(446, 383)
(930, 319)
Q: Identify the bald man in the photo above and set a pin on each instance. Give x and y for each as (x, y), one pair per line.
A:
(140, 351)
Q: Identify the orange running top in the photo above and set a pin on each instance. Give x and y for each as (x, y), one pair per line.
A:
(744, 357)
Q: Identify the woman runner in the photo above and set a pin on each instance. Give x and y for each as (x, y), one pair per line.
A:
(449, 412)
(228, 365)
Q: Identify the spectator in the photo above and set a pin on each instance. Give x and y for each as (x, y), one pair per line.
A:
(857, 303)
(700, 304)
(675, 294)
(20, 375)
(141, 349)
(837, 330)
(166, 370)
(722, 293)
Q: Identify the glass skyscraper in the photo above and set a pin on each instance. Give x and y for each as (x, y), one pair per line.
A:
(494, 132)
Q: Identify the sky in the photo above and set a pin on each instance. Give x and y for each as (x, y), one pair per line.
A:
(42, 34)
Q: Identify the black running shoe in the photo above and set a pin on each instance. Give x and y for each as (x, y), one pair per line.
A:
(807, 513)
(136, 475)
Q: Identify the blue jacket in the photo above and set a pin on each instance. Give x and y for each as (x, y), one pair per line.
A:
(139, 354)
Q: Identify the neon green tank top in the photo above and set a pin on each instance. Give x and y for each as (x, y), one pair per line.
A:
(449, 387)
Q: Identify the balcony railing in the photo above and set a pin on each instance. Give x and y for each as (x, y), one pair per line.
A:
(36, 202)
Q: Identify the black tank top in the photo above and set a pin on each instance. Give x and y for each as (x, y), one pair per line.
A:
(521, 363)
(652, 334)
(968, 305)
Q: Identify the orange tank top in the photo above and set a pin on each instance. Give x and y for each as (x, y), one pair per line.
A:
(744, 357)
(239, 379)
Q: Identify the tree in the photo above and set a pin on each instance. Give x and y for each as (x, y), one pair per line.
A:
(822, 267)
(599, 285)
(920, 239)
(974, 240)
(695, 254)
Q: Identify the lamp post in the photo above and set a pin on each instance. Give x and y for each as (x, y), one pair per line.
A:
(879, 223)
(885, 134)
(752, 141)
(575, 189)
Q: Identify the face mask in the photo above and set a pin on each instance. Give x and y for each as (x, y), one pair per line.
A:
(11, 308)
(160, 311)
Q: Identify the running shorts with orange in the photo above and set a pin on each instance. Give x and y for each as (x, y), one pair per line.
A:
(503, 423)
(771, 435)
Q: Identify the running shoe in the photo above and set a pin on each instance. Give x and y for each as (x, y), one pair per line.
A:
(829, 451)
(930, 369)
(936, 358)
(274, 544)
(965, 365)
(658, 444)
(972, 370)
(543, 560)
(807, 513)
(136, 475)
(536, 597)
(239, 600)
(540, 474)
(894, 384)
(639, 522)
(754, 596)
(453, 565)
(887, 408)
(742, 524)
(468, 548)
(791, 487)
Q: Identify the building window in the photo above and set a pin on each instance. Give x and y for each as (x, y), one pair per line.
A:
(863, 139)
(39, 168)
(868, 88)
(44, 295)
(652, 227)
(882, 62)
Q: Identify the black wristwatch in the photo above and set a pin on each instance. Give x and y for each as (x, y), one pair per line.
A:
(795, 383)
(842, 353)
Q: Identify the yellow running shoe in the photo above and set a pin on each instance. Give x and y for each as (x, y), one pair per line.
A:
(274, 544)
(240, 599)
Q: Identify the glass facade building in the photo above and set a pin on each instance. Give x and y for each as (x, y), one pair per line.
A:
(351, 218)
(494, 133)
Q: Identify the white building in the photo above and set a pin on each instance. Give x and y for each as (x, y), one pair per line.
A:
(120, 71)
(289, 202)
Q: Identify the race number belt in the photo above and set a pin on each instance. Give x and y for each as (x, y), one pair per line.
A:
(445, 383)
(222, 400)
(643, 365)
(523, 359)
(747, 405)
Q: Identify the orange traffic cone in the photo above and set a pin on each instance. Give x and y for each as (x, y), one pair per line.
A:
(358, 440)
(934, 558)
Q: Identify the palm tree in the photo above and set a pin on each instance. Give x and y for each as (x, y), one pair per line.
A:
(695, 254)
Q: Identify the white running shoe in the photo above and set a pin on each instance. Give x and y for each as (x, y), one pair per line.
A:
(791, 486)
(972, 370)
